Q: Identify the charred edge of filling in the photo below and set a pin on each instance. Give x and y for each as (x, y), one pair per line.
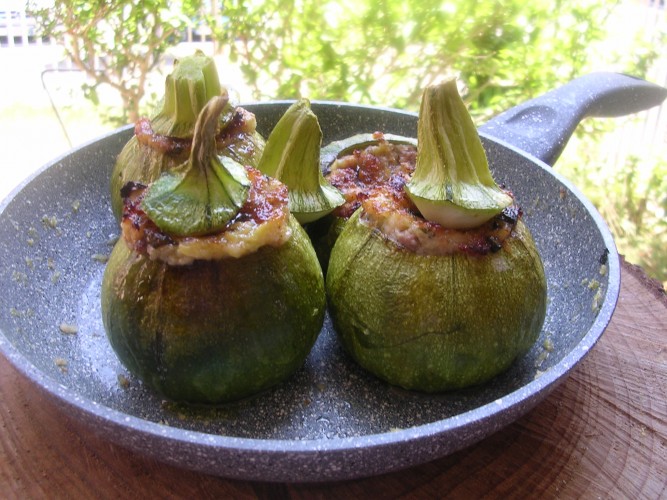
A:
(490, 237)
(510, 215)
(237, 122)
(130, 188)
(429, 238)
(133, 194)
(175, 146)
(172, 146)
(267, 199)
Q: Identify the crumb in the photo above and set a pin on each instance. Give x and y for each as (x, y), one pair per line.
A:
(17, 313)
(61, 363)
(541, 358)
(50, 221)
(76, 205)
(68, 329)
(19, 277)
(597, 301)
(123, 381)
(100, 257)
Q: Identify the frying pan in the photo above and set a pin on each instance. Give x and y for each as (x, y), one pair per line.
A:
(331, 420)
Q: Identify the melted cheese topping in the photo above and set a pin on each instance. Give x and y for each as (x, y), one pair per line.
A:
(383, 164)
(235, 241)
(262, 221)
(393, 214)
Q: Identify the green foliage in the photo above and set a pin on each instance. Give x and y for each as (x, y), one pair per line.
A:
(385, 52)
(636, 210)
(367, 51)
(631, 196)
(116, 43)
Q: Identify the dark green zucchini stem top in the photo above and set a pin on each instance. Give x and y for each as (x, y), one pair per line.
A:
(192, 84)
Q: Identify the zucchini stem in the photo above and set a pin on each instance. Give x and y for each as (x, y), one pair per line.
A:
(452, 184)
(192, 84)
(292, 155)
(203, 194)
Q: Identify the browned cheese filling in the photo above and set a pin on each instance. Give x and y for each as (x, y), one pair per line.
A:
(262, 220)
(235, 133)
(358, 174)
(374, 179)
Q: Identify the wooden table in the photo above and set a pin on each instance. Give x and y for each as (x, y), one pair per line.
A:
(601, 434)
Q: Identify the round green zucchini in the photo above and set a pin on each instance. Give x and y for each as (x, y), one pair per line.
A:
(434, 322)
(215, 330)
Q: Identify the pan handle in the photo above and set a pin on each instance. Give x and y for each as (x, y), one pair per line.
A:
(542, 126)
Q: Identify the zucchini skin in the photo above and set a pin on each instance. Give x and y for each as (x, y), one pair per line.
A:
(216, 330)
(434, 323)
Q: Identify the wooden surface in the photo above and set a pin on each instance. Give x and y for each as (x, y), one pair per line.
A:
(601, 434)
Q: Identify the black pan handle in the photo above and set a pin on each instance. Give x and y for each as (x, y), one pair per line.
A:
(542, 126)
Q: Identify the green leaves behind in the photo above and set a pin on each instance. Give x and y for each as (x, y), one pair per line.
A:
(203, 194)
(292, 155)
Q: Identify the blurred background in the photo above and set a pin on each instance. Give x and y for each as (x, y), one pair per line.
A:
(74, 70)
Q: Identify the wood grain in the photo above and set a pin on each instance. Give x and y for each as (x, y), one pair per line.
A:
(602, 433)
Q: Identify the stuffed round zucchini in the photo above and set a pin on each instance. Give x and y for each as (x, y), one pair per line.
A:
(214, 292)
(435, 282)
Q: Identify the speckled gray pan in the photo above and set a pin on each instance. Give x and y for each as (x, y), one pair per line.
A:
(331, 420)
